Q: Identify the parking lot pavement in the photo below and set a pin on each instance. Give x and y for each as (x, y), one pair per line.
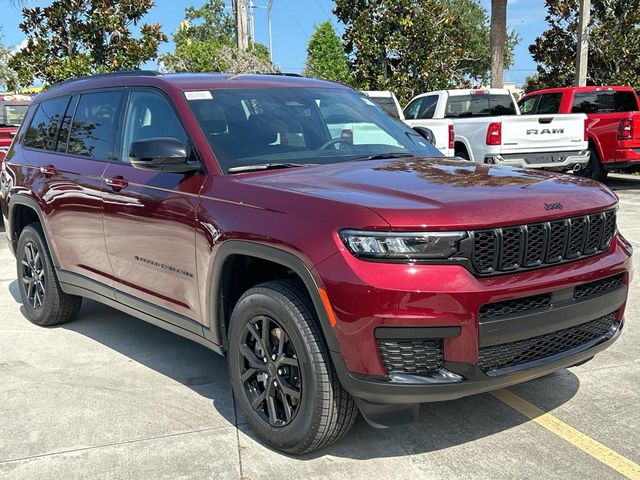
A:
(109, 396)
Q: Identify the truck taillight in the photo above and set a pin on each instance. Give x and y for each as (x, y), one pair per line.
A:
(625, 130)
(452, 136)
(494, 133)
(586, 126)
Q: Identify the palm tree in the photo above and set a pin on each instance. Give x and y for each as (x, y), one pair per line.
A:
(498, 39)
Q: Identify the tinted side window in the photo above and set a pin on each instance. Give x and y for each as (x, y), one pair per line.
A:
(150, 115)
(428, 109)
(411, 110)
(95, 124)
(63, 138)
(387, 104)
(43, 131)
(528, 105)
(549, 103)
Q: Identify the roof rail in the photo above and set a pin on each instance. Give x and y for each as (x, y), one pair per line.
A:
(283, 74)
(119, 73)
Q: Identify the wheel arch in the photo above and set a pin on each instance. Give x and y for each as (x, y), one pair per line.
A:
(462, 142)
(22, 211)
(242, 248)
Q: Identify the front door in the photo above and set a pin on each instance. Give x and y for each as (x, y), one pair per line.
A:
(150, 218)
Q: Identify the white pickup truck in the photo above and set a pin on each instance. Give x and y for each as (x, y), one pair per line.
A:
(489, 129)
(442, 129)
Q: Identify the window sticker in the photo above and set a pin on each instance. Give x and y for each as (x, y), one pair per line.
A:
(200, 95)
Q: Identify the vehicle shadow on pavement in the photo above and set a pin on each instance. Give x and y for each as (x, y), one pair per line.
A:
(441, 425)
(194, 366)
(623, 182)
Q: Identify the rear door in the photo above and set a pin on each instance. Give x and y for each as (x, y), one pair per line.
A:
(150, 218)
(68, 155)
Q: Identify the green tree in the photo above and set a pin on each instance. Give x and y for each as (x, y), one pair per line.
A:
(614, 49)
(326, 58)
(7, 75)
(205, 42)
(80, 37)
(412, 46)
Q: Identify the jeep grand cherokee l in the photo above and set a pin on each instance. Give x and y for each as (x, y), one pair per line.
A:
(338, 271)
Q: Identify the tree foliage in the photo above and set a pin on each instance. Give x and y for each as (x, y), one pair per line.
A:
(80, 37)
(614, 47)
(205, 42)
(7, 75)
(412, 46)
(326, 58)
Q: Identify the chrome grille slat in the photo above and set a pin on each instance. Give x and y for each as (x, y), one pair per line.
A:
(519, 247)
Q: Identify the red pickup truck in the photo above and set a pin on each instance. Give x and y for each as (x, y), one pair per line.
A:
(613, 122)
(12, 110)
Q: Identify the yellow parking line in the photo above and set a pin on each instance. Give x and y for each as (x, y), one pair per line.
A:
(576, 438)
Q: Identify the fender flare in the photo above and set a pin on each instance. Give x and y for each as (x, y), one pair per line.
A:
(217, 333)
(27, 201)
(593, 139)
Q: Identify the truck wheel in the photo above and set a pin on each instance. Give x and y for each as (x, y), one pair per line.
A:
(44, 301)
(594, 168)
(462, 153)
(281, 371)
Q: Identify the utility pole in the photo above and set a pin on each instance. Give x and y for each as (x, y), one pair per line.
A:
(240, 16)
(252, 32)
(269, 5)
(582, 59)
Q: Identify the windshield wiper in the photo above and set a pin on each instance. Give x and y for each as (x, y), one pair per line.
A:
(382, 156)
(263, 166)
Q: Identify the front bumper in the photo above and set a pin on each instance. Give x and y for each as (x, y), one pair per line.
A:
(564, 160)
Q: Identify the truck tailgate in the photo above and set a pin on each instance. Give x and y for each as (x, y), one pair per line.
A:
(543, 133)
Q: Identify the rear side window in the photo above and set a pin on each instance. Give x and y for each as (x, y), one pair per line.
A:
(528, 105)
(549, 103)
(43, 130)
(479, 105)
(604, 102)
(95, 124)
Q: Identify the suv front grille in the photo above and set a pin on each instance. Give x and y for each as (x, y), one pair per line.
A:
(545, 300)
(598, 287)
(511, 249)
(514, 307)
(537, 348)
(413, 357)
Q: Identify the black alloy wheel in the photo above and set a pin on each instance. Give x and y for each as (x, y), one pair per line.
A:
(33, 276)
(270, 372)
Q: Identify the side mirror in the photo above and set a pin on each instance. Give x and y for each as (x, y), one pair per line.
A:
(162, 154)
(427, 134)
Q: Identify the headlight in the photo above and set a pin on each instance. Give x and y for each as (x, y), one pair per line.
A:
(402, 246)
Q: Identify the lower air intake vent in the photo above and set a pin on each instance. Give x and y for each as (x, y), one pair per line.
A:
(414, 357)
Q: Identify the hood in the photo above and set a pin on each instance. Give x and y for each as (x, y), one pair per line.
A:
(441, 193)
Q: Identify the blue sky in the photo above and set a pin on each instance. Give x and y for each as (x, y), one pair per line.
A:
(294, 20)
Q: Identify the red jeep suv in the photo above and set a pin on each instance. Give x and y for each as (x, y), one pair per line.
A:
(336, 259)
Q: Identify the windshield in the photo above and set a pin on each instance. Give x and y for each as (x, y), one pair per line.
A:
(12, 115)
(387, 104)
(299, 126)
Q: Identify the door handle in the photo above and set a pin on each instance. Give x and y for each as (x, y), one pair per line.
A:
(49, 171)
(116, 183)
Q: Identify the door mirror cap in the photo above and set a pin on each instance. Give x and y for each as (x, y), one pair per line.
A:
(162, 154)
(427, 134)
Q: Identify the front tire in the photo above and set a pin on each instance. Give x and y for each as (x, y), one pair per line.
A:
(44, 301)
(281, 371)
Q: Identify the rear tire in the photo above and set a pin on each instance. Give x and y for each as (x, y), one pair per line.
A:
(44, 301)
(594, 168)
(281, 371)
(462, 153)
